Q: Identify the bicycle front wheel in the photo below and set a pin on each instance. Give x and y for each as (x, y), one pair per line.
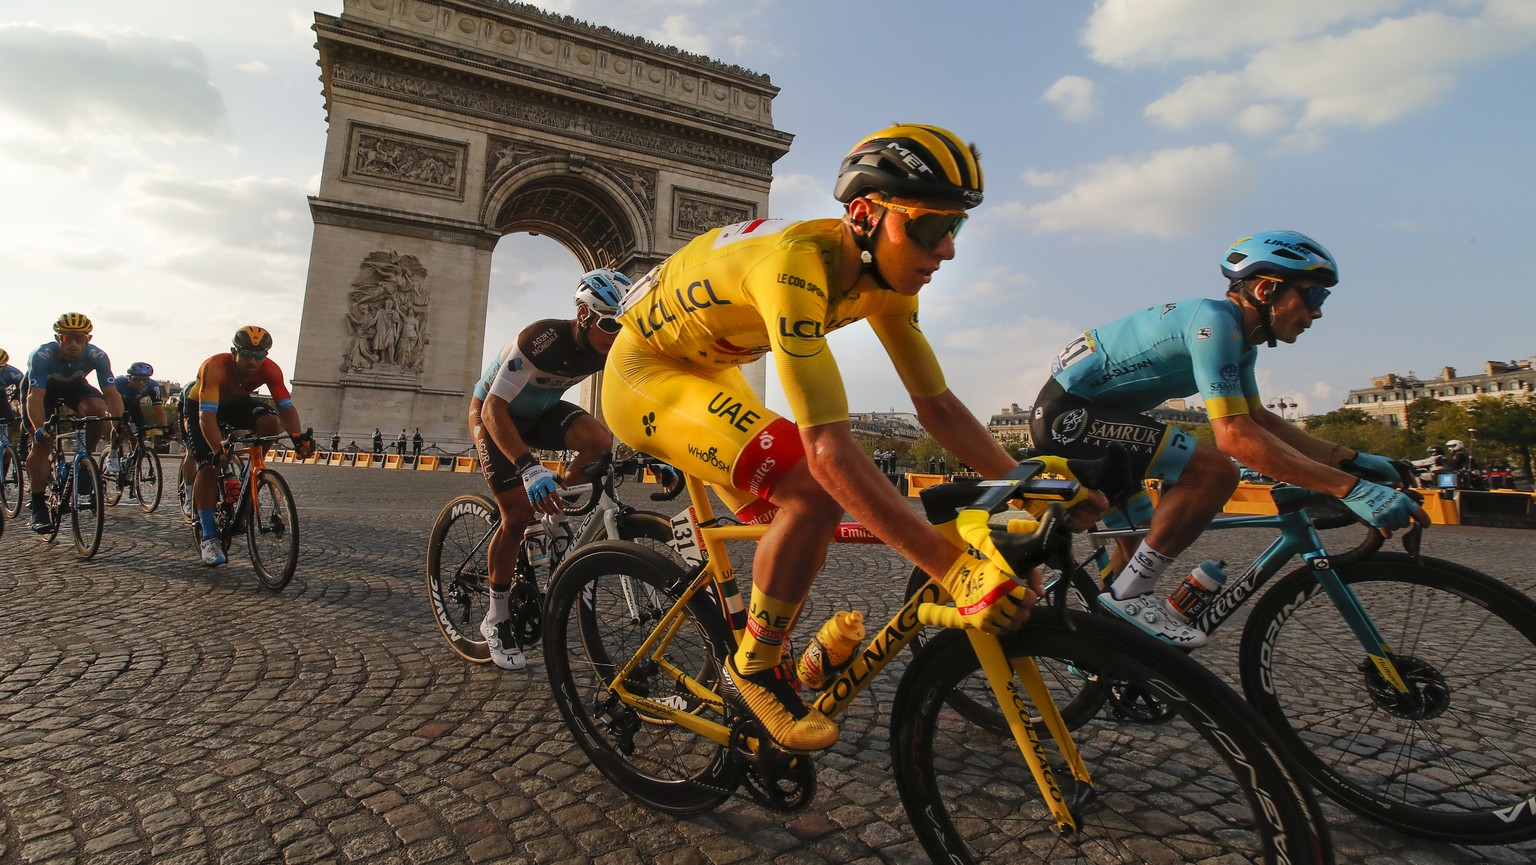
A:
(88, 512)
(14, 481)
(147, 487)
(1444, 760)
(111, 482)
(272, 530)
(603, 604)
(1200, 784)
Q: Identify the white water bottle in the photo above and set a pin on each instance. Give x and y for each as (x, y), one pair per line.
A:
(1193, 595)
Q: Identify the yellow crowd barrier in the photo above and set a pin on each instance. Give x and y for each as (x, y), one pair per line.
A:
(363, 461)
(463, 464)
(916, 483)
(555, 466)
(336, 458)
(392, 461)
(426, 464)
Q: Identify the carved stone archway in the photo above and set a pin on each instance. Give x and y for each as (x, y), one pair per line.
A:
(455, 122)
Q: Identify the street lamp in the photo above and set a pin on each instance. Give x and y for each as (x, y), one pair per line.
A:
(1282, 406)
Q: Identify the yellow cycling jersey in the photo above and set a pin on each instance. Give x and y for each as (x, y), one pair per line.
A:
(736, 293)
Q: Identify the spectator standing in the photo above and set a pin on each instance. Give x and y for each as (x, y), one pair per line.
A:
(400, 443)
(336, 441)
(416, 444)
(378, 441)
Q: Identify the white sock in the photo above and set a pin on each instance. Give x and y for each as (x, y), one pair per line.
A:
(501, 610)
(188, 488)
(1141, 573)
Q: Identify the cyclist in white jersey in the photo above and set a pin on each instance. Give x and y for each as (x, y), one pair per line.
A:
(517, 407)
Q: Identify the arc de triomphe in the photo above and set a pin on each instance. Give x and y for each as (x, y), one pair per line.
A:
(455, 122)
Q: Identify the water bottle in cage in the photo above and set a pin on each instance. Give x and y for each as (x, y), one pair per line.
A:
(1193, 595)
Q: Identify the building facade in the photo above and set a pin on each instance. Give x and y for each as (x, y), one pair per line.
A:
(1388, 397)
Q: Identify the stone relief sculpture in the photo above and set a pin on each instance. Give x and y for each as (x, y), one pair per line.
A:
(387, 315)
(693, 215)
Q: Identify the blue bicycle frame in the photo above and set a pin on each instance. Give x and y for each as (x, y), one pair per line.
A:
(1298, 537)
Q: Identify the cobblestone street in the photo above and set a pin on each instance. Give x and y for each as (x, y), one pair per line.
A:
(153, 710)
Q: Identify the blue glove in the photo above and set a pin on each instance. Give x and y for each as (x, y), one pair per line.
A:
(539, 483)
(1373, 467)
(1382, 507)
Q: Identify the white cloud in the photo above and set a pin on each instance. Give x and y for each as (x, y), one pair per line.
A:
(258, 214)
(1045, 178)
(1167, 194)
(681, 31)
(1364, 77)
(253, 67)
(1149, 32)
(118, 83)
(800, 196)
(1073, 94)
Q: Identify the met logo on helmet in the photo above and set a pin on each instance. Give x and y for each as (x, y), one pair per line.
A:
(910, 159)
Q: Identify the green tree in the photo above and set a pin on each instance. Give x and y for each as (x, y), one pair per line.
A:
(927, 446)
(1420, 413)
(1353, 428)
(1506, 429)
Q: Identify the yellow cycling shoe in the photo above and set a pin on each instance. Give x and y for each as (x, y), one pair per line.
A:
(770, 699)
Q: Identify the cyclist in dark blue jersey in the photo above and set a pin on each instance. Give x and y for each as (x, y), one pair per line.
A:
(135, 387)
(1104, 381)
(56, 376)
(517, 407)
(11, 380)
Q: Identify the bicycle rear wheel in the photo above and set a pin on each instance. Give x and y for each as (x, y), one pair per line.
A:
(603, 604)
(146, 483)
(1444, 761)
(272, 530)
(88, 511)
(1202, 784)
(111, 485)
(458, 573)
(14, 481)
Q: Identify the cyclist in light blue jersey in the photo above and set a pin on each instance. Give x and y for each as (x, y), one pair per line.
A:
(1104, 381)
(517, 406)
(56, 376)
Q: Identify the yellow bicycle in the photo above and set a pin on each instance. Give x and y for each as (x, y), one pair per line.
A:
(633, 646)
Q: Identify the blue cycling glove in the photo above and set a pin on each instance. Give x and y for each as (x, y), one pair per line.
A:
(1372, 467)
(1382, 507)
(539, 482)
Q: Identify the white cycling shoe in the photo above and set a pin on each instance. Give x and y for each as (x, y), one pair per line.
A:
(1156, 618)
(505, 652)
(212, 554)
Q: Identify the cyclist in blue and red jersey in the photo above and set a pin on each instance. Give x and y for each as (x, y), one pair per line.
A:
(135, 387)
(1106, 379)
(224, 395)
(56, 376)
(517, 407)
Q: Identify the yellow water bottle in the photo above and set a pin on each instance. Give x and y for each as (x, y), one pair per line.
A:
(831, 649)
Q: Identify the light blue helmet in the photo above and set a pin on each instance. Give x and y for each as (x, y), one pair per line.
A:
(602, 290)
(1280, 254)
(141, 368)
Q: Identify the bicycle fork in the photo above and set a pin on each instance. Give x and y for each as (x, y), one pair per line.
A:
(1359, 622)
(1005, 677)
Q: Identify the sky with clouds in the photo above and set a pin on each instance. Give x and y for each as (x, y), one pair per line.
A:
(156, 158)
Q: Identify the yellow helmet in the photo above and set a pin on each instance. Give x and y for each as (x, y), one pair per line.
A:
(5, 357)
(910, 160)
(72, 322)
(252, 338)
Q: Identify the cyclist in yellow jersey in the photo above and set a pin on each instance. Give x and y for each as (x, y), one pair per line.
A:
(674, 388)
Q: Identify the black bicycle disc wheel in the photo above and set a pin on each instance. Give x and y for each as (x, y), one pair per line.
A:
(1443, 761)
